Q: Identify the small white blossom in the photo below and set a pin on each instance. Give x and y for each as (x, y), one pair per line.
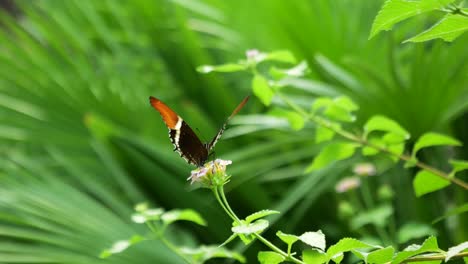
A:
(365, 169)
(347, 184)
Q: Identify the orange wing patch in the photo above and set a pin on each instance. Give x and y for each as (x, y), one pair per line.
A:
(169, 116)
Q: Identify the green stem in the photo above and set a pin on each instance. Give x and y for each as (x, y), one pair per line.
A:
(220, 201)
(223, 197)
(159, 232)
(220, 196)
(325, 123)
(433, 257)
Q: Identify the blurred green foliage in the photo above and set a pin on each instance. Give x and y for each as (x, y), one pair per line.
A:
(80, 145)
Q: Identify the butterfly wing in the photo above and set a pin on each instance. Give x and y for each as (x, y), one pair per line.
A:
(185, 141)
(212, 143)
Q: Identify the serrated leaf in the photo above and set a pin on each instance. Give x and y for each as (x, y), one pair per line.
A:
(379, 256)
(229, 67)
(382, 123)
(250, 228)
(270, 257)
(377, 216)
(262, 90)
(448, 29)
(313, 256)
(335, 151)
(455, 250)
(394, 11)
(323, 134)
(414, 230)
(337, 258)
(344, 245)
(287, 238)
(427, 182)
(260, 214)
(281, 56)
(434, 139)
(429, 245)
(314, 239)
(360, 254)
(183, 215)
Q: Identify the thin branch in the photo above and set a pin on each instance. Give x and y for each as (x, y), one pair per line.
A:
(364, 142)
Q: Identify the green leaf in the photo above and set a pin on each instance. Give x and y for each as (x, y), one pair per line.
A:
(370, 151)
(427, 182)
(323, 134)
(295, 120)
(270, 257)
(346, 103)
(281, 56)
(183, 215)
(335, 151)
(204, 253)
(382, 255)
(287, 238)
(429, 245)
(229, 67)
(397, 149)
(147, 215)
(455, 250)
(434, 139)
(395, 11)
(392, 138)
(314, 239)
(321, 103)
(448, 29)
(260, 214)
(262, 90)
(382, 123)
(313, 256)
(121, 246)
(250, 228)
(414, 230)
(344, 245)
(377, 216)
(340, 114)
(296, 71)
(458, 165)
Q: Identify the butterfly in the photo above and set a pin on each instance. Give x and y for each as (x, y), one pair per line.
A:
(185, 141)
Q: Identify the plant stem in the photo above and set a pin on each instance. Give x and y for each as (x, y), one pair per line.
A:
(221, 198)
(220, 201)
(433, 257)
(325, 123)
(160, 235)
